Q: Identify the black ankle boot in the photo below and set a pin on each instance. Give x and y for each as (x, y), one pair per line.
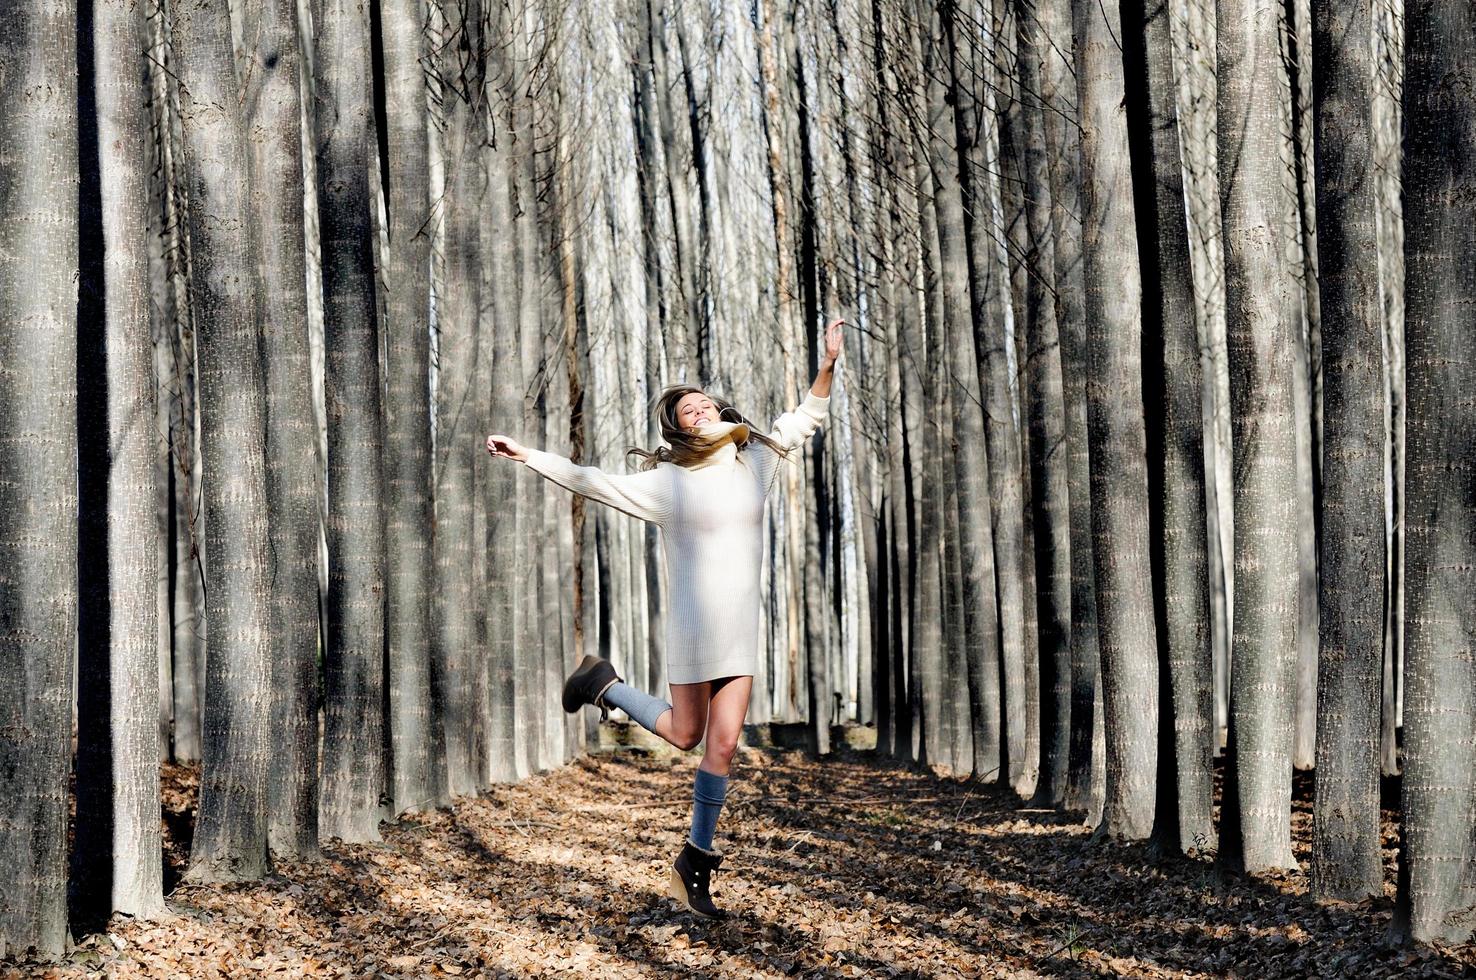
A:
(691, 878)
(590, 680)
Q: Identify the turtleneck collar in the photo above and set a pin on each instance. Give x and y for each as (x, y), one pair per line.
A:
(723, 438)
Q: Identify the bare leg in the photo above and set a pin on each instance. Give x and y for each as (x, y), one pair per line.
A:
(684, 724)
(729, 706)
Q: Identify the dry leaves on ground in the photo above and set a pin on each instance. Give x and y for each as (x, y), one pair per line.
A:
(849, 867)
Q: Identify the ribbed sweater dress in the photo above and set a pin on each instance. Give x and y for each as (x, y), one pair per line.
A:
(711, 518)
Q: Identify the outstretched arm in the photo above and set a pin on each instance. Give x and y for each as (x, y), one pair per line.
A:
(646, 495)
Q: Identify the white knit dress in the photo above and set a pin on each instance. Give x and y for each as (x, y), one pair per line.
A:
(711, 518)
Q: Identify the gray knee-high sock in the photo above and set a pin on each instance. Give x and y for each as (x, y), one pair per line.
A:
(642, 707)
(708, 792)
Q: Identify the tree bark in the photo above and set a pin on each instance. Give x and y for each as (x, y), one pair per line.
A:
(230, 841)
(992, 345)
(353, 659)
(1084, 781)
(38, 445)
(1115, 425)
(1263, 312)
(1437, 890)
(458, 421)
(970, 452)
(1045, 411)
(416, 770)
(1173, 396)
(275, 136)
(116, 860)
(499, 488)
(1347, 863)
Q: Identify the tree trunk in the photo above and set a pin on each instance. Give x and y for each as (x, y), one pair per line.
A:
(1347, 863)
(992, 345)
(499, 335)
(678, 196)
(116, 863)
(1058, 91)
(275, 136)
(969, 452)
(1307, 391)
(353, 659)
(1437, 890)
(1263, 312)
(1045, 412)
(1119, 482)
(230, 841)
(1174, 399)
(186, 633)
(458, 422)
(38, 445)
(535, 532)
(416, 769)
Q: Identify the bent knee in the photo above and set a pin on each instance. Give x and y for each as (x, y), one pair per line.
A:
(686, 740)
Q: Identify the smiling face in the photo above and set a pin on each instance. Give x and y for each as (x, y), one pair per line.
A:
(695, 409)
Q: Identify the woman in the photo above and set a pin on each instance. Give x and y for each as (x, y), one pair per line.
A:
(706, 491)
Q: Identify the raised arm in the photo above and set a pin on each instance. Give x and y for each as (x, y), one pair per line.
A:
(793, 427)
(645, 495)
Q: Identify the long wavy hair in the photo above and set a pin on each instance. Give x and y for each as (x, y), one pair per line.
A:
(684, 448)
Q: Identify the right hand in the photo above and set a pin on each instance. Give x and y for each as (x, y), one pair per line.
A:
(499, 445)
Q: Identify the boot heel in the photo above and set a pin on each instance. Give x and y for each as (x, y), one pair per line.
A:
(678, 889)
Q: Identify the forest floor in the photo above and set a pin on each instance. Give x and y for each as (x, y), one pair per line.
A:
(850, 867)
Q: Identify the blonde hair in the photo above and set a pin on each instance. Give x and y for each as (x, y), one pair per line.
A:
(683, 447)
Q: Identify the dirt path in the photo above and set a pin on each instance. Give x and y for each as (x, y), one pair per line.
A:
(835, 869)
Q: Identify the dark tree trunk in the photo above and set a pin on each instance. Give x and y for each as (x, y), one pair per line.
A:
(230, 841)
(1437, 873)
(116, 858)
(1346, 860)
(1045, 412)
(1119, 480)
(38, 446)
(353, 659)
(1173, 397)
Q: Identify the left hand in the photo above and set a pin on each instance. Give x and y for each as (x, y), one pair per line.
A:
(833, 337)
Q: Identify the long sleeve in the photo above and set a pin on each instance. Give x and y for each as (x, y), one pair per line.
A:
(790, 430)
(646, 495)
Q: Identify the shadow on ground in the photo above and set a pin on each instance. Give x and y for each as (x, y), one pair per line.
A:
(851, 867)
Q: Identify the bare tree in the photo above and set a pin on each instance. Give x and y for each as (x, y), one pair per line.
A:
(1346, 859)
(230, 841)
(1437, 879)
(970, 453)
(38, 444)
(1115, 428)
(1043, 396)
(416, 769)
(1173, 399)
(274, 54)
(353, 658)
(116, 860)
(460, 67)
(993, 347)
(1263, 312)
